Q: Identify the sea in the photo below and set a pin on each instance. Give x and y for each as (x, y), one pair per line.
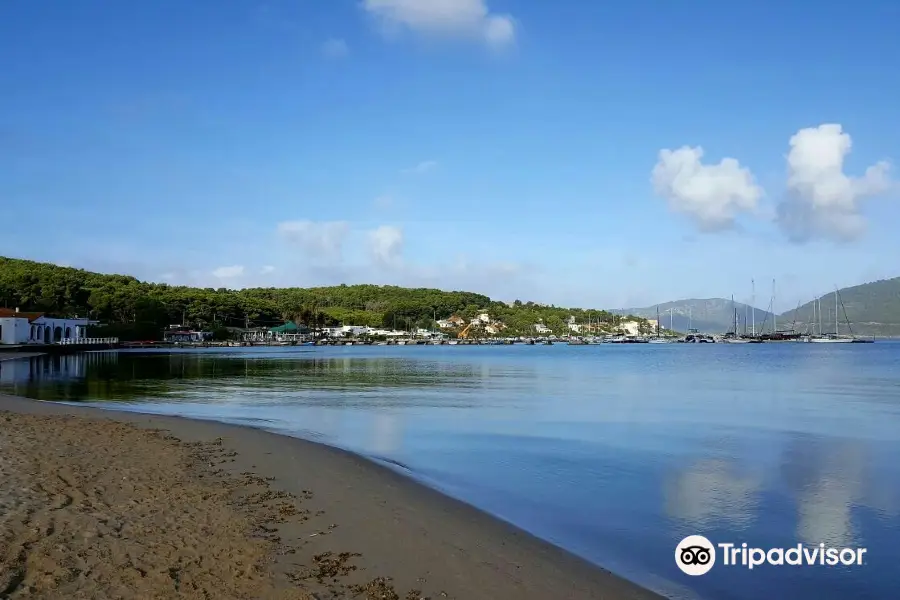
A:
(615, 452)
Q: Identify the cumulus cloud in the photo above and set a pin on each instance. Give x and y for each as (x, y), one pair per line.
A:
(447, 18)
(422, 167)
(386, 244)
(322, 239)
(228, 272)
(335, 48)
(713, 195)
(823, 201)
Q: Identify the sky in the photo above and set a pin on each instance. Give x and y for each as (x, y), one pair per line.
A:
(578, 153)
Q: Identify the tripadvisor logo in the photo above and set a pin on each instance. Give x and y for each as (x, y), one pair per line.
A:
(696, 555)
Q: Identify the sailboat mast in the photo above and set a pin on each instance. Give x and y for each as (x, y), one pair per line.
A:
(774, 316)
(815, 325)
(657, 320)
(819, 303)
(733, 317)
(835, 312)
(753, 307)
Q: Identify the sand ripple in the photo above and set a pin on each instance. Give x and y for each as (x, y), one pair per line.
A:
(98, 509)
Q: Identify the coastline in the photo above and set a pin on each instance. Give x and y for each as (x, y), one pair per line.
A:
(393, 526)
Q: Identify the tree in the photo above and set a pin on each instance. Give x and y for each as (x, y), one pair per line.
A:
(145, 308)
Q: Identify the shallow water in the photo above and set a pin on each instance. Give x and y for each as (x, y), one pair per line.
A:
(615, 452)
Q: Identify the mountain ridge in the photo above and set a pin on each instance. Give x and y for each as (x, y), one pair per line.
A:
(711, 315)
(871, 308)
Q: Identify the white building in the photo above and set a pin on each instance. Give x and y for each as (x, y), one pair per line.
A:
(630, 328)
(36, 328)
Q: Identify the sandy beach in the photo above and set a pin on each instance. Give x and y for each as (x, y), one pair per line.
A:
(106, 504)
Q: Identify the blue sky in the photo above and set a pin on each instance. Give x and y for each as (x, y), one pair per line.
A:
(507, 147)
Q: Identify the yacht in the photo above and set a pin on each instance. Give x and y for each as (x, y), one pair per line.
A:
(830, 339)
(734, 340)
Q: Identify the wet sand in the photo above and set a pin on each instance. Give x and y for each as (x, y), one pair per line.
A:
(107, 504)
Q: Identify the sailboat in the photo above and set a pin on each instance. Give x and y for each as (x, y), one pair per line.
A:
(831, 338)
(657, 339)
(732, 336)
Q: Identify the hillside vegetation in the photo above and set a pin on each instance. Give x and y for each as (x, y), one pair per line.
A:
(134, 309)
(872, 309)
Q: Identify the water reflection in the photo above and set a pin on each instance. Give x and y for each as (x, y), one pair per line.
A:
(827, 477)
(613, 452)
(712, 494)
(386, 430)
(55, 377)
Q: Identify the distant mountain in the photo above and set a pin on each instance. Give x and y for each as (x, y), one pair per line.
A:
(872, 309)
(711, 315)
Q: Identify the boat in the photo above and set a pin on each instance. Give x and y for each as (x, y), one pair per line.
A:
(732, 336)
(577, 342)
(658, 339)
(695, 337)
(833, 338)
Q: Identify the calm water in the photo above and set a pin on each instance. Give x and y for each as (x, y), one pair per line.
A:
(615, 452)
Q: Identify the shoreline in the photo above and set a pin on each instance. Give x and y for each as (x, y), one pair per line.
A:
(418, 537)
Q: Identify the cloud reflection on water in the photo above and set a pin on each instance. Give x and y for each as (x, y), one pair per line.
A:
(711, 494)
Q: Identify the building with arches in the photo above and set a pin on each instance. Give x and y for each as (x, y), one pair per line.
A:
(37, 328)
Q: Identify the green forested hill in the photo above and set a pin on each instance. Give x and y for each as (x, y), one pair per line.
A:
(140, 310)
(872, 309)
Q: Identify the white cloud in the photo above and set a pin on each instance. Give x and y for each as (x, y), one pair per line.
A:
(423, 167)
(712, 195)
(386, 244)
(335, 48)
(229, 272)
(266, 270)
(822, 200)
(447, 18)
(323, 239)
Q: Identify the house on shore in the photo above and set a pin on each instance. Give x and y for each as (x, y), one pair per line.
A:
(186, 336)
(37, 328)
(631, 328)
(285, 332)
